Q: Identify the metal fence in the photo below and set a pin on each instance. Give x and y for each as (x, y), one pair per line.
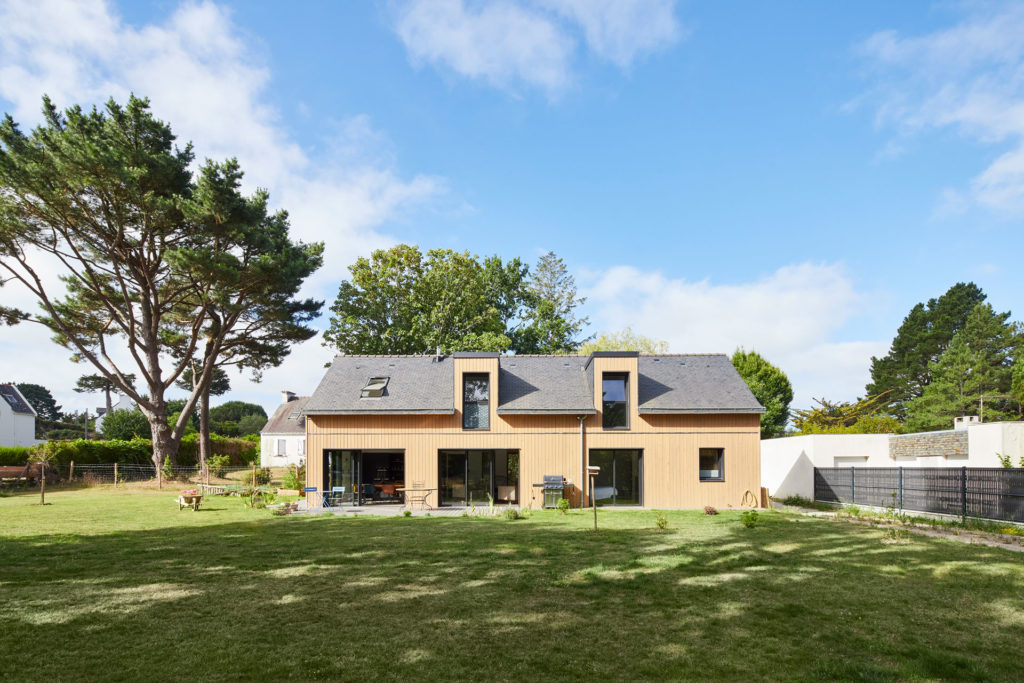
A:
(985, 492)
(107, 474)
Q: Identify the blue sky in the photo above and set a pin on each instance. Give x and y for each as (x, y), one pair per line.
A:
(789, 177)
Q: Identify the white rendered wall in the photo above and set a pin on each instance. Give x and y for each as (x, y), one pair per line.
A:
(294, 450)
(987, 440)
(16, 429)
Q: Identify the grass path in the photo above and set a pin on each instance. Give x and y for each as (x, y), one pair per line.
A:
(122, 586)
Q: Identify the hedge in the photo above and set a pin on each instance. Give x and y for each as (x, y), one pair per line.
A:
(136, 451)
(13, 455)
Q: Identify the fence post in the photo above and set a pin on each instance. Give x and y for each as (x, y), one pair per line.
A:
(900, 488)
(71, 473)
(254, 475)
(853, 484)
(963, 492)
(115, 474)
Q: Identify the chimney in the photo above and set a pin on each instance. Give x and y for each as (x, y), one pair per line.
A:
(287, 396)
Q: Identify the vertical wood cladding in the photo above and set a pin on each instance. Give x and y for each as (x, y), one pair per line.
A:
(550, 444)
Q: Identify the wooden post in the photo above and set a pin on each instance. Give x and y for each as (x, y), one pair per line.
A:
(71, 474)
(593, 501)
(115, 474)
(254, 475)
(42, 483)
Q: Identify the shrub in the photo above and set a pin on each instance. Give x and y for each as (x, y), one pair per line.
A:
(262, 477)
(708, 510)
(124, 425)
(294, 481)
(407, 513)
(660, 520)
(167, 469)
(13, 455)
(241, 451)
(511, 514)
(217, 464)
(798, 501)
(750, 518)
(563, 505)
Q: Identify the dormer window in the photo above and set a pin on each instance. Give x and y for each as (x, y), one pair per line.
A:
(614, 402)
(375, 387)
(476, 392)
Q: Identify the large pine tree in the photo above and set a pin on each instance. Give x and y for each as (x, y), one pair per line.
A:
(926, 332)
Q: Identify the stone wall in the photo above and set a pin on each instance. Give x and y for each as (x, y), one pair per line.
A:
(946, 444)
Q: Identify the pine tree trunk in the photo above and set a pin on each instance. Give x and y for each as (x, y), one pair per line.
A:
(204, 428)
(164, 444)
(109, 404)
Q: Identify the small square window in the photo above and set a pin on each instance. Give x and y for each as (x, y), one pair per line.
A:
(282, 447)
(712, 464)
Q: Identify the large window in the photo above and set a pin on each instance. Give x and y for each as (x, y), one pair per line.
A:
(476, 412)
(614, 405)
(712, 464)
(618, 482)
(478, 477)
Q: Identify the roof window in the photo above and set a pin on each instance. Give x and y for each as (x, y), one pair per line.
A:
(293, 416)
(375, 387)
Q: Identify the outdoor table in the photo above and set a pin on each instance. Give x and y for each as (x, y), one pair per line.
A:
(412, 495)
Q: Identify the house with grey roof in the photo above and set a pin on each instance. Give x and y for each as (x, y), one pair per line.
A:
(283, 439)
(17, 418)
(612, 428)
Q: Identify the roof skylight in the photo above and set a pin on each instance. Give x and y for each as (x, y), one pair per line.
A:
(374, 387)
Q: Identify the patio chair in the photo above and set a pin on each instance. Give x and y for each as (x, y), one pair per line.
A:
(368, 491)
(335, 497)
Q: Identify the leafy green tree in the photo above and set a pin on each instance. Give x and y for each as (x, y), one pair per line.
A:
(1017, 381)
(904, 372)
(40, 398)
(154, 261)
(235, 411)
(91, 384)
(624, 340)
(770, 387)
(251, 424)
(125, 425)
(978, 362)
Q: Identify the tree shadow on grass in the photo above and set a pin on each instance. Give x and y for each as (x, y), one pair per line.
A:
(470, 598)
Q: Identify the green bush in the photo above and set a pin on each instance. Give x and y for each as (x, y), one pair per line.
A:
(218, 464)
(124, 425)
(293, 481)
(511, 514)
(13, 455)
(660, 520)
(563, 505)
(798, 501)
(750, 519)
(240, 451)
(262, 477)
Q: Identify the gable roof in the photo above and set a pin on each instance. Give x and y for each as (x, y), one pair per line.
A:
(15, 400)
(693, 383)
(416, 384)
(553, 385)
(281, 422)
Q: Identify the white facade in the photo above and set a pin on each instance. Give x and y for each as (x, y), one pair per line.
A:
(17, 428)
(787, 464)
(122, 403)
(280, 450)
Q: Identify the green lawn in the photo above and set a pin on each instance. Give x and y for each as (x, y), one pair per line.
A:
(119, 585)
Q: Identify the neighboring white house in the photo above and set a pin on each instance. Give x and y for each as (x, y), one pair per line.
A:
(283, 440)
(787, 464)
(17, 418)
(123, 403)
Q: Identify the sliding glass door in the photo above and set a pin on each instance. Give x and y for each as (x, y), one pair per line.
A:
(343, 471)
(477, 477)
(618, 482)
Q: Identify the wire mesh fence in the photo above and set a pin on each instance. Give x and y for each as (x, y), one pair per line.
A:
(985, 492)
(129, 473)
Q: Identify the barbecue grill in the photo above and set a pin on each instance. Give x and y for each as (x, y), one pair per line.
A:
(554, 489)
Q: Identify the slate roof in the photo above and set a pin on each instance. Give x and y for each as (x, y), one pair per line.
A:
(281, 421)
(693, 384)
(544, 385)
(418, 384)
(668, 384)
(15, 400)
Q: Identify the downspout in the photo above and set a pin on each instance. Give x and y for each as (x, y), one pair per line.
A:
(583, 460)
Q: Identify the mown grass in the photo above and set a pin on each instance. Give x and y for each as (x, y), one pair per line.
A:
(122, 586)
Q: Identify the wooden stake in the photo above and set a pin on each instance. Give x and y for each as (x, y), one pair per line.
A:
(42, 484)
(71, 474)
(115, 474)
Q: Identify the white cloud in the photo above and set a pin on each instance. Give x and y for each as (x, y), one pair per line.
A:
(791, 316)
(205, 78)
(969, 77)
(507, 44)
